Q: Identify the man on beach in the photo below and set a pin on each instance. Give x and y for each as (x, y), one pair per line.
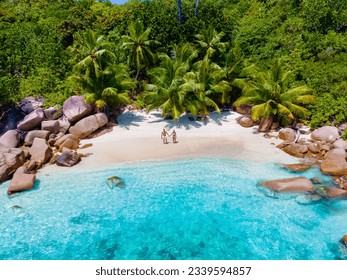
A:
(164, 136)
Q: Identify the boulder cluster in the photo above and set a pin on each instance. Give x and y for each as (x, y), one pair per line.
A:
(323, 146)
(47, 136)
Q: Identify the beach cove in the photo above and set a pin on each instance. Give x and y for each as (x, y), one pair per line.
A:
(197, 199)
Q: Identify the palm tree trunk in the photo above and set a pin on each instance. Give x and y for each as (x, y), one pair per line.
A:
(180, 12)
(197, 2)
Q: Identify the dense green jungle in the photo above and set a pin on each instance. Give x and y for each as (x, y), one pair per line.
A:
(287, 58)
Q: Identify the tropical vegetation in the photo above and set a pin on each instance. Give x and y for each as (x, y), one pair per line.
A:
(287, 58)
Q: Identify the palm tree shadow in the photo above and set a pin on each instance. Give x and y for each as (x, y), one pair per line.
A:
(129, 118)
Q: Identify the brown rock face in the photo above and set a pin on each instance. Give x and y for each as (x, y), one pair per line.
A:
(340, 144)
(334, 163)
(296, 150)
(53, 113)
(52, 126)
(40, 151)
(59, 143)
(10, 139)
(344, 239)
(265, 124)
(244, 109)
(32, 120)
(336, 193)
(69, 143)
(314, 148)
(298, 167)
(21, 182)
(75, 108)
(287, 134)
(64, 126)
(68, 159)
(88, 125)
(245, 121)
(297, 184)
(326, 133)
(29, 139)
(10, 160)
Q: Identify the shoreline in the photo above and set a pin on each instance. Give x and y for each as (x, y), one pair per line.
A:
(136, 138)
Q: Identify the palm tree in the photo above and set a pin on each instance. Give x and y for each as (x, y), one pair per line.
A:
(166, 91)
(206, 86)
(90, 51)
(210, 42)
(271, 96)
(137, 43)
(98, 78)
(110, 87)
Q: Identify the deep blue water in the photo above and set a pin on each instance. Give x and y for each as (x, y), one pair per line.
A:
(192, 209)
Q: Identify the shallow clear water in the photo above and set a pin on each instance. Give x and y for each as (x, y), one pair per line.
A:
(193, 209)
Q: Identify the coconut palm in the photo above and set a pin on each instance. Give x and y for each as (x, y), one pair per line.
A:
(166, 90)
(210, 41)
(206, 87)
(138, 45)
(271, 95)
(91, 51)
(110, 87)
(97, 77)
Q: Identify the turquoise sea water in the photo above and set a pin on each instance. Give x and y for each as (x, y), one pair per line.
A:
(192, 209)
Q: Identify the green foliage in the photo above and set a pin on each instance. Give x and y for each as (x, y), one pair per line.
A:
(271, 95)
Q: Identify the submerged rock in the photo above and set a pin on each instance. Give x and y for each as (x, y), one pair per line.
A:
(298, 167)
(115, 181)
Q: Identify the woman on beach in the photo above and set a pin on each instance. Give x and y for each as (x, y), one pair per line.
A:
(174, 136)
(164, 135)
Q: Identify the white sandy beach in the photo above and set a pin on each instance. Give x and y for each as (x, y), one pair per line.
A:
(137, 138)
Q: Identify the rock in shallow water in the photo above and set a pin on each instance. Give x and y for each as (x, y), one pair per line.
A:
(115, 181)
(297, 184)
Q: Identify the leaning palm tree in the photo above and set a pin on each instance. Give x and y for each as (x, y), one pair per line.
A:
(137, 44)
(271, 95)
(210, 41)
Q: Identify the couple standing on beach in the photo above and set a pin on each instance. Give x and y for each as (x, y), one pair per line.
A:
(165, 135)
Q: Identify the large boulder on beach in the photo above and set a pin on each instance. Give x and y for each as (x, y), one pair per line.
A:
(10, 139)
(21, 182)
(334, 163)
(340, 144)
(69, 141)
(88, 125)
(287, 134)
(52, 126)
(296, 150)
(32, 120)
(10, 160)
(29, 138)
(75, 108)
(265, 124)
(297, 184)
(68, 159)
(244, 109)
(64, 126)
(40, 151)
(325, 133)
(53, 113)
(245, 121)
